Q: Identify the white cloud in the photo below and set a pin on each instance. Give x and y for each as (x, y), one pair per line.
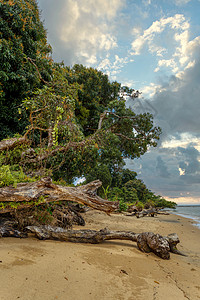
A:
(146, 2)
(106, 8)
(181, 171)
(150, 90)
(105, 64)
(84, 29)
(177, 22)
(180, 51)
(181, 2)
(166, 63)
(186, 51)
(111, 68)
(136, 31)
(184, 140)
(129, 83)
(137, 45)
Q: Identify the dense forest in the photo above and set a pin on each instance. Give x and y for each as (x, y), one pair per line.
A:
(65, 122)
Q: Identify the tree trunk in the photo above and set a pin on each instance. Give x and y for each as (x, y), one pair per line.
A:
(146, 241)
(44, 191)
(12, 143)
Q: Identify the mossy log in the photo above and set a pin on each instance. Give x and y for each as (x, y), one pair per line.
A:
(44, 191)
(146, 241)
(9, 144)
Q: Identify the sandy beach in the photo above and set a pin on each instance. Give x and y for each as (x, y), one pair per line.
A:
(48, 270)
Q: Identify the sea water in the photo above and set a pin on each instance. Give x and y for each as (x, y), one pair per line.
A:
(189, 211)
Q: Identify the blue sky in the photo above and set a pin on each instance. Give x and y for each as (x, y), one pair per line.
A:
(148, 45)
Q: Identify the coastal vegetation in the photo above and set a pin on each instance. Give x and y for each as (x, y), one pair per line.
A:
(65, 122)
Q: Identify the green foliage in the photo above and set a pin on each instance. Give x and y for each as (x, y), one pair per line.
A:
(12, 157)
(159, 201)
(139, 205)
(12, 177)
(94, 94)
(106, 192)
(22, 36)
(129, 190)
(123, 206)
(102, 173)
(53, 112)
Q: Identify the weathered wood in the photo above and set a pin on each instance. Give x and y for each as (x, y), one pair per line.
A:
(12, 143)
(151, 212)
(44, 191)
(147, 212)
(146, 241)
(7, 229)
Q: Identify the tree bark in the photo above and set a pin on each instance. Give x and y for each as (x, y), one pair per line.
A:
(44, 191)
(146, 241)
(12, 143)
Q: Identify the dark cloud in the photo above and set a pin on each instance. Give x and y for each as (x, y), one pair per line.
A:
(159, 169)
(191, 164)
(162, 168)
(178, 106)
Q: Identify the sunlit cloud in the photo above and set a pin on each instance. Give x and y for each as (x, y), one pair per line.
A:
(149, 35)
(114, 66)
(184, 200)
(83, 31)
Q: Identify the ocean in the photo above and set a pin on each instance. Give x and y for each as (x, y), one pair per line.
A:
(189, 211)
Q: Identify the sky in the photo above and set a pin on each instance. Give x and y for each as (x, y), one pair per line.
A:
(152, 46)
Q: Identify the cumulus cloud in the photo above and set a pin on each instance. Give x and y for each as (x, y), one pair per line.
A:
(113, 66)
(79, 32)
(176, 22)
(175, 48)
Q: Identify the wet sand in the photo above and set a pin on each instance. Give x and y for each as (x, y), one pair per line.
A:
(46, 270)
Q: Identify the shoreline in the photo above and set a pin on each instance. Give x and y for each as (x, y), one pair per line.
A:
(193, 221)
(193, 218)
(35, 270)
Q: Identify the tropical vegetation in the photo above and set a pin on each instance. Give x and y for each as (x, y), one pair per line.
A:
(66, 122)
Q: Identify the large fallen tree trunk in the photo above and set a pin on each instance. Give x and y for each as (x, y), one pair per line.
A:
(44, 191)
(146, 241)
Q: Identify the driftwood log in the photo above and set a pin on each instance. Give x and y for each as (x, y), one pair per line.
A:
(146, 241)
(44, 191)
(150, 212)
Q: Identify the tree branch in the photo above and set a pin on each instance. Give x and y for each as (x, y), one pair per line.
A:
(31, 61)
